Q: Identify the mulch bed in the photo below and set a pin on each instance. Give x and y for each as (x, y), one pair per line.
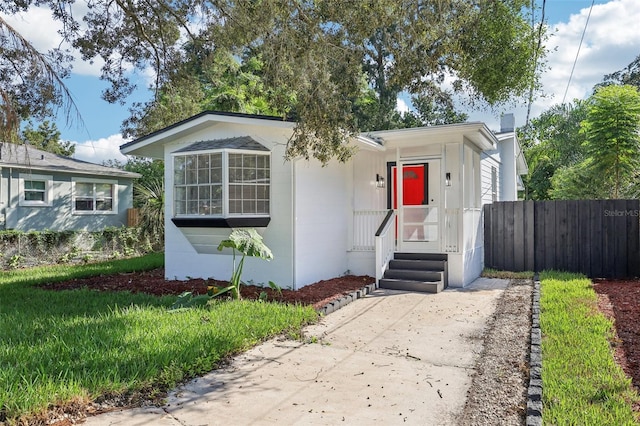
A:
(153, 282)
(620, 300)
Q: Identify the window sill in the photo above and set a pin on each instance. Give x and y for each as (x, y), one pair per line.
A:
(34, 204)
(221, 222)
(93, 212)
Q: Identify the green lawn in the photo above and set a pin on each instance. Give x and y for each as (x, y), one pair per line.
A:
(57, 346)
(582, 384)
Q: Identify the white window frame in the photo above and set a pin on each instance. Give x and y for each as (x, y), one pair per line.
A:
(48, 190)
(114, 195)
(225, 182)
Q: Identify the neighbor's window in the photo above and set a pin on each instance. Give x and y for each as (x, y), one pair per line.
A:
(95, 196)
(35, 190)
(222, 183)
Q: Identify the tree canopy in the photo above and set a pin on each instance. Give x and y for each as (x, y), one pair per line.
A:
(314, 55)
(588, 150)
(47, 138)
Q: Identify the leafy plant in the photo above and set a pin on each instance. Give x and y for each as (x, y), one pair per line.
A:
(150, 197)
(249, 243)
(14, 261)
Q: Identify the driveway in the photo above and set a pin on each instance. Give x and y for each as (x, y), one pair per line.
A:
(389, 358)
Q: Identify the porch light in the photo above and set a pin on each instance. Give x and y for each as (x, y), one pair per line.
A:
(379, 181)
(447, 179)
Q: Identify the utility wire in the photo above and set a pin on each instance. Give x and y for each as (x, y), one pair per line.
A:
(536, 54)
(578, 52)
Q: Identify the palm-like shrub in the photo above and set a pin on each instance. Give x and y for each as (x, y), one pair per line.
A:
(149, 195)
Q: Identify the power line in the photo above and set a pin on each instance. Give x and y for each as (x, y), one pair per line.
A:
(536, 54)
(578, 52)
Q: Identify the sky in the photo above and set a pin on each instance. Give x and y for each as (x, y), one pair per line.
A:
(611, 42)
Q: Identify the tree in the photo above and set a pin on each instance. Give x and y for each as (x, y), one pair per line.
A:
(550, 142)
(31, 82)
(152, 171)
(313, 50)
(628, 75)
(612, 129)
(216, 81)
(47, 138)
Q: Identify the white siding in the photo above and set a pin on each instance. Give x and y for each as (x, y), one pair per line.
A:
(487, 163)
(192, 252)
(322, 215)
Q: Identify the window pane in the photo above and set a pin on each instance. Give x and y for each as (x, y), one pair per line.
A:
(180, 193)
(216, 160)
(235, 175)
(192, 207)
(235, 191)
(84, 204)
(104, 190)
(33, 196)
(180, 207)
(235, 206)
(104, 205)
(262, 207)
(203, 161)
(203, 176)
(178, 170)
(249, 161)
(37, 185)
(235, 160)
(248, 192)
(216, 175)
(84, 189)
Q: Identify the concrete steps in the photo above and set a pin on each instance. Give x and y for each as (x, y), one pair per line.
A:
(421, 272)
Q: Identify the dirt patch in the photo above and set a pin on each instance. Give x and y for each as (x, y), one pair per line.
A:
(153, 282)
(498, 392)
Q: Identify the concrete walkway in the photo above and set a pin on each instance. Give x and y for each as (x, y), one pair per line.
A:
(390, 358)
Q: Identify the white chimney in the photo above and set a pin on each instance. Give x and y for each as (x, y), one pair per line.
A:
(507, 123)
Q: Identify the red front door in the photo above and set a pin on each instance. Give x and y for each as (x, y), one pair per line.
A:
(413, 186)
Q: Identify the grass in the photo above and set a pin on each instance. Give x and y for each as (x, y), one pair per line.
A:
(61, 346)
(509, 275)
(582, 384)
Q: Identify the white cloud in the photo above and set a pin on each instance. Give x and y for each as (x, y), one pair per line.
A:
(402, 106)
(98, 151)
(611, 42)
(42, 31)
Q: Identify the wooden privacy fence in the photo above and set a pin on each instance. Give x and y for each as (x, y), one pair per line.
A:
(599, 238)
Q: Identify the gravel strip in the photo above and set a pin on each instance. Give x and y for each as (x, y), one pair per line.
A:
(498, 393)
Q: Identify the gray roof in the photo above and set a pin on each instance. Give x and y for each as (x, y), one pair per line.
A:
(28, 157)
(241, 142)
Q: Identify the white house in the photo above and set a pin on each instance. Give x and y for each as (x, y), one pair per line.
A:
(418, 229)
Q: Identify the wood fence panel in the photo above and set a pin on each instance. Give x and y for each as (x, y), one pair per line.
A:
(633, 244)
(529, 236)
(550, 234)
(519, 236)
(561, 236)
(599, 238)
(488, 242)
(583, 223)
(508, 235)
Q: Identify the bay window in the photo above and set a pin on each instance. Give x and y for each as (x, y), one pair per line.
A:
(223, 183)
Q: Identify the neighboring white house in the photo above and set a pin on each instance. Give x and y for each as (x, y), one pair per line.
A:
(40, 190)
(227, 170)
